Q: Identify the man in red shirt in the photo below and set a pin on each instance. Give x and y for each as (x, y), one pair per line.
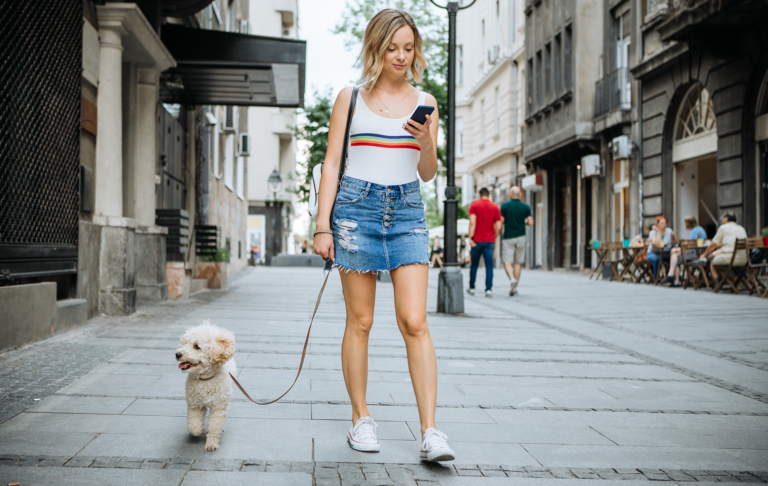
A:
(484, 228)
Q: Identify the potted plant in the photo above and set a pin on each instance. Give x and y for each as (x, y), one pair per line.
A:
(764, 234)
(214, 268)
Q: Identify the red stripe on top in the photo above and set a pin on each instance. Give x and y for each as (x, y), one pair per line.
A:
(387, 145)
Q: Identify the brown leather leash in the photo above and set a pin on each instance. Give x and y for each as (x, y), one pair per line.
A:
(303, 353)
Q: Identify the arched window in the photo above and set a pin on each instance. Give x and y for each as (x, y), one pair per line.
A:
(695, 126)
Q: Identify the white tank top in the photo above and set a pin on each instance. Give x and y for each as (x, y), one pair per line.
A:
(380, 151)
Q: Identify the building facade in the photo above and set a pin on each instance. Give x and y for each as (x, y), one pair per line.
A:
(702, 126)
(121, 142)
(563, 40)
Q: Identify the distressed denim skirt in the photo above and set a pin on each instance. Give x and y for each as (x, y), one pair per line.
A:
(379, 227)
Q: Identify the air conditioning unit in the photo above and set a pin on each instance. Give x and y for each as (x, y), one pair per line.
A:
(621, 147)
(245, 27)
(491, 179)
(245, 144)
(493, 54)
(591, 166)
(230, 118)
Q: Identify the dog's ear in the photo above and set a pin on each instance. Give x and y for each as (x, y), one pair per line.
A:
(223, 349)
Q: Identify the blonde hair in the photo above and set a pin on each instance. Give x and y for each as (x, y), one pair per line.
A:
(690, 222)
(378, 36)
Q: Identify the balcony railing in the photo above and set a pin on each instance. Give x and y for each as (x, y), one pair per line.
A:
(613, 92)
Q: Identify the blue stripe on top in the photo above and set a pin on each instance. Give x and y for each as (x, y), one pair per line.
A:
(392, 137)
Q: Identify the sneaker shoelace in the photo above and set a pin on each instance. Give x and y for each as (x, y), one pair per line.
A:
(434, 440)
(365, 428)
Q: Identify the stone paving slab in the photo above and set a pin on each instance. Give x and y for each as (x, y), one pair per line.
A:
(532, 390)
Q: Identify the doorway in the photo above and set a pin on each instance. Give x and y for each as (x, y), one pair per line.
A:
(696, 195)
(695, 160)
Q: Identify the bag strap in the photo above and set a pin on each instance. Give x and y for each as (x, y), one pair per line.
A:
(343, 164)
(303, 353)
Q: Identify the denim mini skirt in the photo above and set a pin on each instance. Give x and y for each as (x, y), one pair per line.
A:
(379, 228)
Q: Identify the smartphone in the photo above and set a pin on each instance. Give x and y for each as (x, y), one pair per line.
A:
(420, 115)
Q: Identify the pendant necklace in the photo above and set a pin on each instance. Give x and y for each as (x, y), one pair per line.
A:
(386, 110)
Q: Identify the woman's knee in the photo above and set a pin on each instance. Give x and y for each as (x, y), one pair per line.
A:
(360, 324)
(413, 325)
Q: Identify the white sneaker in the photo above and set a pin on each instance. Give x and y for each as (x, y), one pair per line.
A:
(362, 435)
(471, 291)
(513, 287)
(435, 448)
(488, 293)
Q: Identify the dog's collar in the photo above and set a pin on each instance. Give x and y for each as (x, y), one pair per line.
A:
(206, 379)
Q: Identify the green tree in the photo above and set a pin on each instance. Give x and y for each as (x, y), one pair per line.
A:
(314, 132)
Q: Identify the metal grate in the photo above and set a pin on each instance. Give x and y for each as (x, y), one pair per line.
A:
(40, 76)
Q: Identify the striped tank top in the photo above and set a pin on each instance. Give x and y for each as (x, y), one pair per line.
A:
(380, 151)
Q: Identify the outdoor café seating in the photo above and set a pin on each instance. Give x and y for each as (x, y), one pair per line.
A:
(619, 262)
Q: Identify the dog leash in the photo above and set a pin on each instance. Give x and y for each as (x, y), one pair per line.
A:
(303, 353)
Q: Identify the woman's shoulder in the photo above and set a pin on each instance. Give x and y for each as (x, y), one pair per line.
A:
(430, 100)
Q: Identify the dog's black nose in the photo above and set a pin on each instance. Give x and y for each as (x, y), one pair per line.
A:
(178, 355)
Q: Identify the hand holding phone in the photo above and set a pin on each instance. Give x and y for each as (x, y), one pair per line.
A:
(421, 112)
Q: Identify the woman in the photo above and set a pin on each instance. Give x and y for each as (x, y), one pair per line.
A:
(379, 222)
(661, 240)
(437, 253)
(696, 233)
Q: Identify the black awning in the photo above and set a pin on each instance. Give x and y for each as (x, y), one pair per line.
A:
(225, 68)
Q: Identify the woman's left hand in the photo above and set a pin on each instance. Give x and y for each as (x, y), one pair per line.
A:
(420, 132)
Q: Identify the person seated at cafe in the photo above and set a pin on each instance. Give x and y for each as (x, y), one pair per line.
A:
(723, 244)
(661, 240)
(696, 233)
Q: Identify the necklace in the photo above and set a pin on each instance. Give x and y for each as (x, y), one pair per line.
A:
(386, 110)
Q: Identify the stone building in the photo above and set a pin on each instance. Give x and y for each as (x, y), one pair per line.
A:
(612, 183)
(702, 124)
(563, 40)
(110, 164)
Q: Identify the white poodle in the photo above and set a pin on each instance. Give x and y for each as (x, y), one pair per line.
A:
(205, 354)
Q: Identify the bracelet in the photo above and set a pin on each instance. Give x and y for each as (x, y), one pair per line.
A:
(329, 232)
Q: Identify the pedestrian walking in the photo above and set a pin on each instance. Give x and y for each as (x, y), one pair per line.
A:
(515, 214)
(484, 227)
(378, 223)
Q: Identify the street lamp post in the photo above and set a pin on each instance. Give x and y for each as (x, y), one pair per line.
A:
(450, 287)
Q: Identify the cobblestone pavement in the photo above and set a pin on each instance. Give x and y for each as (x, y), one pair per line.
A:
(570, 381)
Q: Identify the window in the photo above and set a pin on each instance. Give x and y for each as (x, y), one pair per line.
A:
(460, 64)
(460, 136)
(514, 102)
(482, 119)
(529, 88)
(622, 40)
(482, 30)
(232, 16)
(498, 111)
(567, 58)
(216, 135)
(539, 82)
(241, 177)
(558, 73)
(548, 71)
(229, 160)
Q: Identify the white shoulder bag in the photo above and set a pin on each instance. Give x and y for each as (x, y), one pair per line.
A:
(314, 184)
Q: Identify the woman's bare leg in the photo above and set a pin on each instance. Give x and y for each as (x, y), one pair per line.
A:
(359, 297)
(410, 283)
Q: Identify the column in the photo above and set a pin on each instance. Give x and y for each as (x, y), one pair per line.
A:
(109, 143)
(145, 159)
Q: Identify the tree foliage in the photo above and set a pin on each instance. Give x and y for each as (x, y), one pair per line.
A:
(314, 132)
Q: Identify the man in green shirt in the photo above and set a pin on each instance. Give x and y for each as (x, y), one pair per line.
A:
(515, 214)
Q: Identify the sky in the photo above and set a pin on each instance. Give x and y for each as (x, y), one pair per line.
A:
(329, 63)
